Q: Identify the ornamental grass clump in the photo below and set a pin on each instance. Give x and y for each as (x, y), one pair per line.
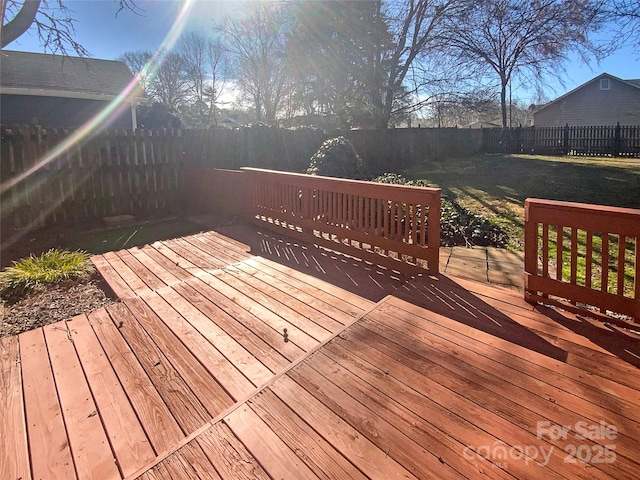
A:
(54, 266)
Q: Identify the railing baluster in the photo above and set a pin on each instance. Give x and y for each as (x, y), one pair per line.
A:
(414, 223)
(636, 278)
(574, 255)
(604, 277)
(622, 247)
(334, 209)
(545, 250)
(588, 259)
(386, 219)
(559, 250)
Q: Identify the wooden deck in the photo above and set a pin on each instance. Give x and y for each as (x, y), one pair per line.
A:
(381, 376)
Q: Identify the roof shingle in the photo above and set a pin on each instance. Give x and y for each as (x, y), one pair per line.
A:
(40, 71)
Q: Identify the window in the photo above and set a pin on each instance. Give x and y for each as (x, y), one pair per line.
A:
(604, 84)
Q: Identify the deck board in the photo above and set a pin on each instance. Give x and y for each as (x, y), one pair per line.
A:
(154, 415)
(382, 376)
(140, 269)
(525, 360)
(230, 457)
(131, 277)
(308, 320)
(126, 436)
(573, 332)
(155, 265)
(185, 407)
(497, 415)
(50, 453)
(230, 379)
(321, 457)
(256, 317)
(117, 284)
(472, 371)
(266, 446)
(235, 354)
(373, 461)
(90, 447)
(439, 443)
(198, 386)
(385, 433)
(14, 458)
(235, 322)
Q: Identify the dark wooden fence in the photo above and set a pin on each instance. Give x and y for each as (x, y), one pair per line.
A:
(52, 175)
(612, 140)
(116, 172)
(382, 151)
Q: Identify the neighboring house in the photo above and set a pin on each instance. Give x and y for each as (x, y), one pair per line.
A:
(59, 91)
(604, 100)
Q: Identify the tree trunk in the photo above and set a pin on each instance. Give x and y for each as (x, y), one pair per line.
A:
(20, 23)
(503, 102)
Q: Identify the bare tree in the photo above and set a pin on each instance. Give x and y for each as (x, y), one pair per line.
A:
(206, 70)
(525, 38)
(52, 19)
(163, 76)
(362, 57)
(138, 63)
(624, 21)
(257, 47)
(415, 27)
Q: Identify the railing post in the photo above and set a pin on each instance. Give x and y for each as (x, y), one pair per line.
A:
(530, 247)
(433, 244)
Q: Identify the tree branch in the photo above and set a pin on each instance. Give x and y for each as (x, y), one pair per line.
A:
(20, 23)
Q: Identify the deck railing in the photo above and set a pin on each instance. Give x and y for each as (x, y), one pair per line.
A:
(583, 255)
(390, 225)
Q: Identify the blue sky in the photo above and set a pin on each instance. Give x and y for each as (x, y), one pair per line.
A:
(108, 37)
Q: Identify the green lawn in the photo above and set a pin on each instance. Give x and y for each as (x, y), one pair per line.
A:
(497, 185)
(112, 239)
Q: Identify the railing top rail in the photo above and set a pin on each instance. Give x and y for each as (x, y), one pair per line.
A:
(582, 207)
(373, 189)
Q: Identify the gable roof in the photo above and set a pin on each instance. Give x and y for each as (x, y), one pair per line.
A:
(633, 83)
(26, 73)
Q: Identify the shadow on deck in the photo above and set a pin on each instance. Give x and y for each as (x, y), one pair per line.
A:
(241, 354)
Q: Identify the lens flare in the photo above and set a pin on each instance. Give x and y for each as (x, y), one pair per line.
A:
(97, 124)
(116, 107)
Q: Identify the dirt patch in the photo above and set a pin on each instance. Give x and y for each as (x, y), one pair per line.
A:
(60, 301)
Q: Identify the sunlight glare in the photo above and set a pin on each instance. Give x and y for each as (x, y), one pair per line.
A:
(115, 108)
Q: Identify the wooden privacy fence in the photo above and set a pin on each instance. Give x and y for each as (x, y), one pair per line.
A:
(290, 150)
(116, 172)
(584, 254)
(391, 225)
(612, 140)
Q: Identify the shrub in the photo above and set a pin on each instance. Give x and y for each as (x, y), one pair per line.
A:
(461, 226)
(336, 157)
(458, 225)
(53, 266)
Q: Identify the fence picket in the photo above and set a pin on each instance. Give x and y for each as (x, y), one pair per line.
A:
(592, 140)
(116, 172)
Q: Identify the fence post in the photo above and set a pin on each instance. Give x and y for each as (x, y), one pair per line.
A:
(565, 139)
(617, 142)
